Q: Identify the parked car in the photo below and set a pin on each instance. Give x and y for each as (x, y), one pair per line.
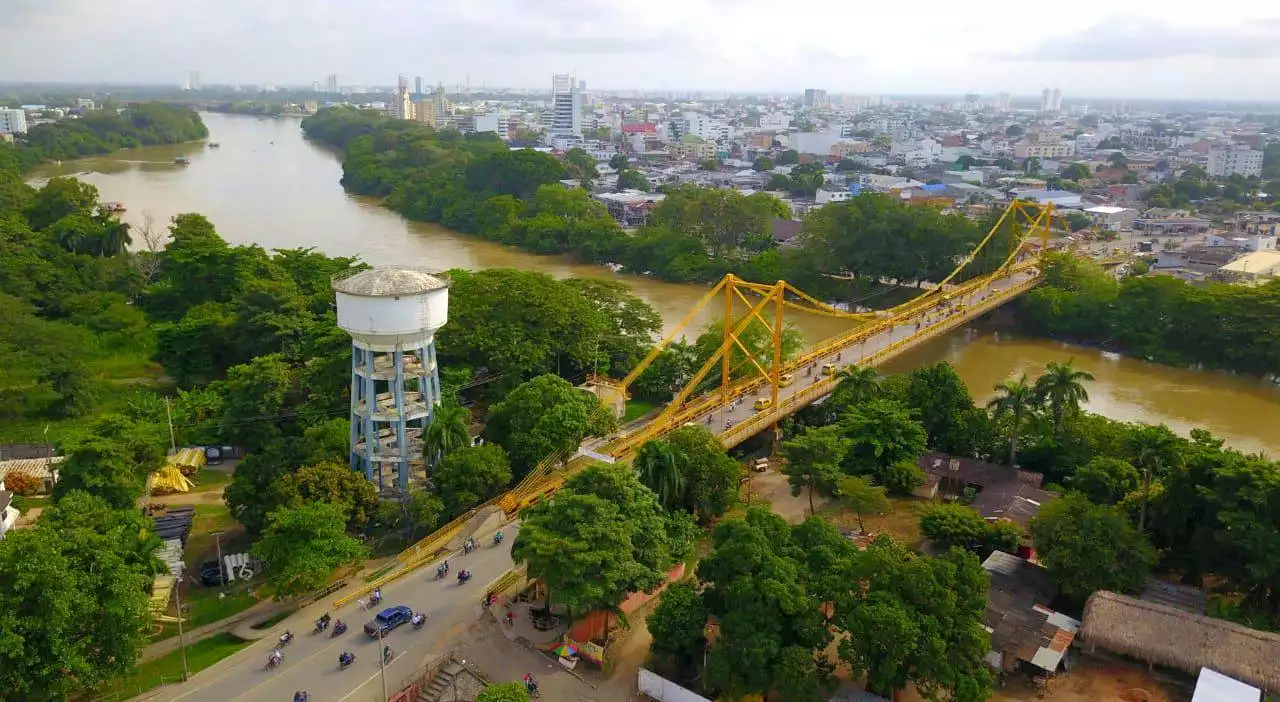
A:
(388, 619)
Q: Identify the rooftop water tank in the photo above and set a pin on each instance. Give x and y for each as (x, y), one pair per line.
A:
(392, 306)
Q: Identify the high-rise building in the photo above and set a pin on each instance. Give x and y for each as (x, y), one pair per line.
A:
(194, 80)
(813, 97)
(1239, 160)
(1002, 102)
(1046, 100)
(566, 106)
(402, 82)
(331, 83)
(417, 86)
(12, 121)
(315, 86)
(1056, 100)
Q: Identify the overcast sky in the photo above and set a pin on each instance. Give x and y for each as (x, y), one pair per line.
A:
(1227, 49)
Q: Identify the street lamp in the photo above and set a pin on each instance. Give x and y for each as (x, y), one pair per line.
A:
(222, 575)
(182, 641)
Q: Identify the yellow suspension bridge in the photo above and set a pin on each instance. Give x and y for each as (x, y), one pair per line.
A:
(738, 409)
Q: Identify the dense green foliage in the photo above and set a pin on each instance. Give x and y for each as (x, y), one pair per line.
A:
(104, 131)
(474, 184)
(1219, 325)
(602, 537)
(74, 602)
(303, 546)
(542, 416)
(898, 617)
(1089, 547)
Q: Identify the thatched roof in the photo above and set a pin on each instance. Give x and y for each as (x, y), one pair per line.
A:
(1163, 635)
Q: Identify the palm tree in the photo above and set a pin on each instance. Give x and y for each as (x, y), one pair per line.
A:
(858, 383)
(1061, 387)
(1016, 398)
(659, 469)
(449, 430)
(1155, 450)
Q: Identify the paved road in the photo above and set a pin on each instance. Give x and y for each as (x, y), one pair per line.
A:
(311, 661)
(723, 418)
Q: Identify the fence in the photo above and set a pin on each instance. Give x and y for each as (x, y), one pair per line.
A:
(659, 688)
(414, 683)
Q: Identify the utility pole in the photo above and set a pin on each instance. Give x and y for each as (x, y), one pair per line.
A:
(382, 664)
(222, 575)
(173, 442)
(182, 639)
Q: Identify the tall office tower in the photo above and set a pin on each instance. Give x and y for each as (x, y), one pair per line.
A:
(1046, 100)
(565, 106)
(402, 82)
(1002, 102)
(315, 86)
(194, 80)
(417, 85)
(813, 97)
(331, 83)
(1056, 100)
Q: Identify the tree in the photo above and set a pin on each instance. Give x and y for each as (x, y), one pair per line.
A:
(902, 477)
(1153, 450)
(630, 324)
(1016, 399)
(882, 434)
(915, 619)
(1006, 163)
(954, 525)
(449, 431)
(1075, 171)
(965, 162)
(581, 165)
(1088, 547)
(602, 537)
(618, 162)
(1078, 220)
(678, 626)
(754, 587)
(1014, 130)
(59, 198)
(939, 398)
(659, 468)
(542, 416)
(710, 475)
(631, 179)
(863, 498)
(789, 157)
(113, 462)
(813, 460)
(471, 475)
(1117, 160)
(335, 484)
(763, 163)
(1031, 166)
(709, 164)
(504, 692)
(1061, 387)
(75, 604)
(1105, 480)
(857, 384)
(303, 546)
(252, 391)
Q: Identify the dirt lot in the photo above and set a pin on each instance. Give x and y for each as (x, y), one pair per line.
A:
(1090, 680)
(772, 487)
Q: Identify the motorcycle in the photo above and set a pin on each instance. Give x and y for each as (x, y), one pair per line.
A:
(338, 629)
(442, 570)
(463, 577)
(321, 624)
(274, 659)
(468, 546)
(418, 621)
(497, 538)
(285, 638)
(345, 660)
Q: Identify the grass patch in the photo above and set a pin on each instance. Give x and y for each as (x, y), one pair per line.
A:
(380, 572)
(25, 502)
(168, 668)
(202, 544)
(204, 606)
(209, 480)
(638, 408)
(275, 618)
(902, 521)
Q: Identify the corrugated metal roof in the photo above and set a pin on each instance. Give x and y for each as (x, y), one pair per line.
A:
(35, 467)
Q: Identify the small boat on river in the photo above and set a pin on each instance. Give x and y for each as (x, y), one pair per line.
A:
(182, 161)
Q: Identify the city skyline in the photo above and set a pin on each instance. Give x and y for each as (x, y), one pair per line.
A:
(1234, 54)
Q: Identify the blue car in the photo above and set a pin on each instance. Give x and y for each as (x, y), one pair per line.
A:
(388, 619)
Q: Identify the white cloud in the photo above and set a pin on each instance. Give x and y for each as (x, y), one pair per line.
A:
(925, 46)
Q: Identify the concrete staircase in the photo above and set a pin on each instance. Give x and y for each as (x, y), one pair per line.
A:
(441, 683)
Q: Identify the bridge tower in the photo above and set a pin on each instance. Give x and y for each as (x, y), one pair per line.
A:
(392, 314)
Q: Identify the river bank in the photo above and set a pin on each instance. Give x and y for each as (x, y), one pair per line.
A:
(269, 186)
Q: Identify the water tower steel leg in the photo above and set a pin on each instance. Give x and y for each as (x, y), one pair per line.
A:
(355, 406)
(370, 429)
(402, 463)
(424, 386)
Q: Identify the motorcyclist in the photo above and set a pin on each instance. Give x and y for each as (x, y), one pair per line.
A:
(323, 622)
(339, 626)
(346, 658)
(376, 597)
(301, 696)
(464, 575)
(276, 656)
(286, 637)
(418, 619)
(497, 538)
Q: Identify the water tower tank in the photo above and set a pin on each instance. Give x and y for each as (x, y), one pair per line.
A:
(392, 314)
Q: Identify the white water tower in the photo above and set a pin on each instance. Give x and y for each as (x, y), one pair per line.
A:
(392, 314)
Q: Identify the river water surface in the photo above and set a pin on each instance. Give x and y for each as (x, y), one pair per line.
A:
(267, 185)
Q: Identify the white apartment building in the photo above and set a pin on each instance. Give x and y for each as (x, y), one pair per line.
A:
(917, 152)
(566, 100)
(1050, 149)
(775, 121)
(1223, 161)
(12, 121)
(490, 122)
